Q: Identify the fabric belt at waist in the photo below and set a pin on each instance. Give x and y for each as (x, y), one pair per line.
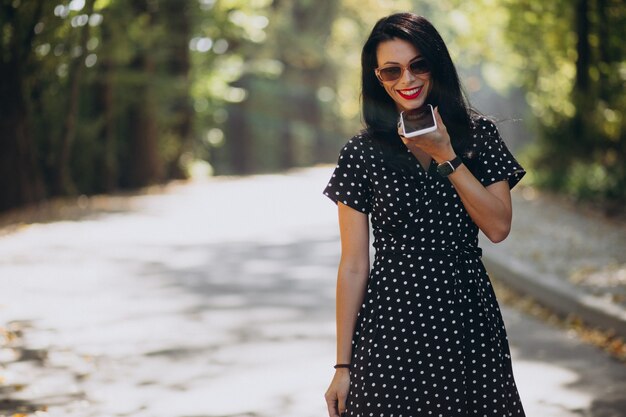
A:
(461, 252)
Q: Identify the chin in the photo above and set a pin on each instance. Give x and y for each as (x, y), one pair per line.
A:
(405, 106)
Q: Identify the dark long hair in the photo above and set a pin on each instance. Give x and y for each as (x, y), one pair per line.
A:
(379, 109)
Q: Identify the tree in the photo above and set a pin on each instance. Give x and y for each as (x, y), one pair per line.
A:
(577, 94)
(63, 183)
(20, 179)
(90, 99)
(282, 119)
(177, 23)
(144, 163)
(107, 165)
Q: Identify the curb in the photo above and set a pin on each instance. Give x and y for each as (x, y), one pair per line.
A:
(554, 292)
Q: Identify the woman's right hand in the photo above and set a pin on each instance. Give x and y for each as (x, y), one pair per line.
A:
(337, 393)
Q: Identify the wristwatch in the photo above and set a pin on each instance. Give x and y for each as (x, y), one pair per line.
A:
(448, 167)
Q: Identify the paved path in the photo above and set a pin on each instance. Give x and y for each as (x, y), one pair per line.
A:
(566, 256)
(216, 299)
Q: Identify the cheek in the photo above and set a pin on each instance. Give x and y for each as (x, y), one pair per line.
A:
(388, 89)
(430, 85)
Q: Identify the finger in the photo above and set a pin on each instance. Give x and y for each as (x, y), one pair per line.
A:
(440, 125)
(332, 408)
(342, 404)
(438, 116)
(404, 139)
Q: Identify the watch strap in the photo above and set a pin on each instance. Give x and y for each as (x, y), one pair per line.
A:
(448, 167)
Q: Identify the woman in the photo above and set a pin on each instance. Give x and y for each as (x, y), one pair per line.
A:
(420, 334)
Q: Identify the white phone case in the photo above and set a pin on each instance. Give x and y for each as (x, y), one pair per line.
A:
(430, 126)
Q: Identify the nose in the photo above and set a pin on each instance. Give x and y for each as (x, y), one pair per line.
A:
(407, 76)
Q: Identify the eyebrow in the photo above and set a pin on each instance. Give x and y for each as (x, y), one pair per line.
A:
(411, 60)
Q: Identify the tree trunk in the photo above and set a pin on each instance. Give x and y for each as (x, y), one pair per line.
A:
(108, 159)
(20, 180)
(287, 152)
(178, 23)
(289, 113)
(64, 183)
(239, 142)
(312, 113)
(145, 166)
(313, 19)
(582, 46)
(107, 163)
(581, 121)
(145, 160)
(605, 59)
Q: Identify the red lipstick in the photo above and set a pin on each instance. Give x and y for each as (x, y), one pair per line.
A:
(410, 93)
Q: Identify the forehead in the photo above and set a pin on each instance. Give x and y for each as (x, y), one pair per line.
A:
(396, 51)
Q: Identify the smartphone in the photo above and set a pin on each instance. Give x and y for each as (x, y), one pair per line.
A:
(417, 122)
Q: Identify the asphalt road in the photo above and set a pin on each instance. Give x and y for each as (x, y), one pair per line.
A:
(216, 299)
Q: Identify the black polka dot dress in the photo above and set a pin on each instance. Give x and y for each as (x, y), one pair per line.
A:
(429, 337)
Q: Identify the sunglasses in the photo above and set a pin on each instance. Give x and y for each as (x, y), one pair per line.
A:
(395, 72)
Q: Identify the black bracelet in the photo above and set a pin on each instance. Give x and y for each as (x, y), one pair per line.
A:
(342, 365)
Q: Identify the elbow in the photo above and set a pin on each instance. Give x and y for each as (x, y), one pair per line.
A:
(499, 233)
(354, 268)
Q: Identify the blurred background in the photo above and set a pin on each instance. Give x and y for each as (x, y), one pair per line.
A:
(127, 290)
(104, 95)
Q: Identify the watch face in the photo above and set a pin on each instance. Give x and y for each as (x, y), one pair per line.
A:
(445, 169)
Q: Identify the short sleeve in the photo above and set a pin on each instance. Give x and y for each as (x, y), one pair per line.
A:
(495, 161)
(350, 182)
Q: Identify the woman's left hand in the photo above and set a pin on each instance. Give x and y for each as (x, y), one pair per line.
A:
(436, 143)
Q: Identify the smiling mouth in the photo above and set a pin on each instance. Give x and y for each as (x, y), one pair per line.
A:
(411, 94)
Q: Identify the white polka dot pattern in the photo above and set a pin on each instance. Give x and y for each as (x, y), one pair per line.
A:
(495, 162)
(429, 338)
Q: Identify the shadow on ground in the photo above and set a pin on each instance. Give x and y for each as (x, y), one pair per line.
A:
(196, 305)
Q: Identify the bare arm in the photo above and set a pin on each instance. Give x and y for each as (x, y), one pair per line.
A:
(489, 207)
(351, 277)
(351, 283)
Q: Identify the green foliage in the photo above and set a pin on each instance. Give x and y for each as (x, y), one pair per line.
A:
(576, 96)
(262, 85)
(580, 146)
